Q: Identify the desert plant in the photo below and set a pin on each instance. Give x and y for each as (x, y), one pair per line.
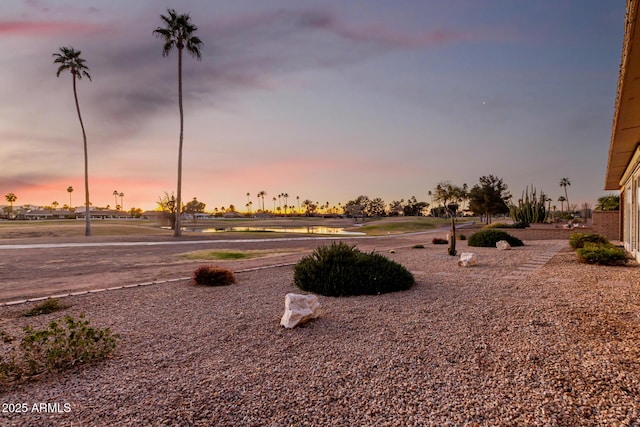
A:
(488, 238)
(213, 276)
(577, 240)
(48, 306)
(530, 208)
(463, 237)
(439, 241)
(599, 253)
(418, 246)
(341, 270)
(63, 344)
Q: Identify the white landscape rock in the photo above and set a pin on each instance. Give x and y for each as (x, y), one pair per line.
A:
(503, 245)
(467, 259)
(299, 309)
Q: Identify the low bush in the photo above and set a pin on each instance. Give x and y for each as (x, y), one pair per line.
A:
(504, 225)
(462, 237)
(418, 246)
(601, 253)
(488, 237)
(439, 241)
(62, 345)
(342, 270)
(213, 276)
(48, 306)
(577, 240)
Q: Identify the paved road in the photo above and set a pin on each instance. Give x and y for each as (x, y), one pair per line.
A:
(33, 270)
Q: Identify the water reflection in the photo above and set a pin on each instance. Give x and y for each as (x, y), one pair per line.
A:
(298, 230)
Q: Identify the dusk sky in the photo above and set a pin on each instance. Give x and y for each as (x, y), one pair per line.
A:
(325, 100)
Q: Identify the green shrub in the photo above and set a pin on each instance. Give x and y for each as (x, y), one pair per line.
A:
(504, 225)
(488, 237)
(62, 345)
(48, 306)
(599, 253)
(213, 276)
(342, 270)
(439, 241)
(577, 240)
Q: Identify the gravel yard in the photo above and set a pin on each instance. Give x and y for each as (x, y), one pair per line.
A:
(527, 337)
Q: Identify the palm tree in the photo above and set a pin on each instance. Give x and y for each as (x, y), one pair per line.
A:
(70, 190)
(178, 33)
(116, 193)
(121, 202)
(261, 195)
(274, 203)
(11, 198)
(69, 59)
(564, 182)
(285, 196)
(55, 205)
(451, 196)
(562, 199)
(298, 199)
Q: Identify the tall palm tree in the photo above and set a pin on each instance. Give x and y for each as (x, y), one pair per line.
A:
(55, 205)
(179, 33)
(261, 195)
(70, 190)
(116, 193)
(11, 198)
(285, 196)
(564, 182)
(121, 202)
(274, 203)
(69, 59)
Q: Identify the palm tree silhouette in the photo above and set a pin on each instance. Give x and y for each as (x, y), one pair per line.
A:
(69, 190)
(178, 33)
(261, 195)
(11, 198)
(564, 182)
(121, 202)
(116, 193)
(69, 59)
(562, 199)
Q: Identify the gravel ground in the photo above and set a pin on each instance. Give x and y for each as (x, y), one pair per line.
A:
(527, 337)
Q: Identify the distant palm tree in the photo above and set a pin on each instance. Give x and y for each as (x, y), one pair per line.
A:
(11, 198)
(121, 202)
(178, 33)
(261, 195)
(69, 59)
(116, 193)
(564, 182)
(285, 196)
(274, 203)
(562, 199)
(298, 199)
(70, 190)
(55, 205)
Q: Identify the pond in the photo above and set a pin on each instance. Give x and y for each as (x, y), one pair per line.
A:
(297, 230)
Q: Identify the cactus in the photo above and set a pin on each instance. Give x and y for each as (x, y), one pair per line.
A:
(530, 208)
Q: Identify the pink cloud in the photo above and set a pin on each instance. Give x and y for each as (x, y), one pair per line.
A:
(44, 28)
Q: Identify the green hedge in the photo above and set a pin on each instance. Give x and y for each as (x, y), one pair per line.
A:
(603, 254)
(341, 270)
(577, 240)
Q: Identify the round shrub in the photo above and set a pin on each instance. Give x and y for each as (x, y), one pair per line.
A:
(342, 270)
(213, 276)
(601, 253)
(488, 237)
(439, 241)
(577, 240)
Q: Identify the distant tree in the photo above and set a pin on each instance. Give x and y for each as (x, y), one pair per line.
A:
(564, 182)
(135, 212)
(261, 195)
(489, 197)
(396, 207)
(179, 32)
(70, 190)
(610, 202)
(11, 198)
(375, 208)
(413, 207)
(70, 60)
(116, 193)
(285, 196)
(121, 202)
(309, 206)
(55, 205)
(562, 199)
(274, 203)
(194, 206)
(168, 205)
(451, 196)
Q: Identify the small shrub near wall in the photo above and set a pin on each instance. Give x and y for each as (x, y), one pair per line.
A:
(488, 237)
(213, 276)
(578, 240)
(603, 254)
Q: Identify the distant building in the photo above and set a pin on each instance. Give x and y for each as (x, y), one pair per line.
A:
(623, 167)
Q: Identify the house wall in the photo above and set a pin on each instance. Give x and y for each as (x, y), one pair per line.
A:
(608, 224)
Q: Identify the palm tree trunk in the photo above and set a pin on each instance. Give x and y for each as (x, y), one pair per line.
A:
(566, 196)
(87, 213)
(177, 232)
